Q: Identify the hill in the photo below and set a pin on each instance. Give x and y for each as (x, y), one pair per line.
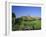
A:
(27, 23)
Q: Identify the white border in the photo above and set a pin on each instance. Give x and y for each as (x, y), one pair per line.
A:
(9, 18)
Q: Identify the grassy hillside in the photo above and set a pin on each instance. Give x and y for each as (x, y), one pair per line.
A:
(27, 23)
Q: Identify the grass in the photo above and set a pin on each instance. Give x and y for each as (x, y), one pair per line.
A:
(26, 24)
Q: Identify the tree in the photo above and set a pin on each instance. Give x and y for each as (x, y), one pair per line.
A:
(13, 20)
(13, 14)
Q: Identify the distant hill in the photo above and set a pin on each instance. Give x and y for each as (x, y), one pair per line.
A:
(27, 23)
(29, 18)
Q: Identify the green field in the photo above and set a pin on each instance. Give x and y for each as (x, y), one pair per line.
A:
(26, 23)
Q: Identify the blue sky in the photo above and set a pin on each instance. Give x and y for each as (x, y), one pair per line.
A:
(26, 11)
